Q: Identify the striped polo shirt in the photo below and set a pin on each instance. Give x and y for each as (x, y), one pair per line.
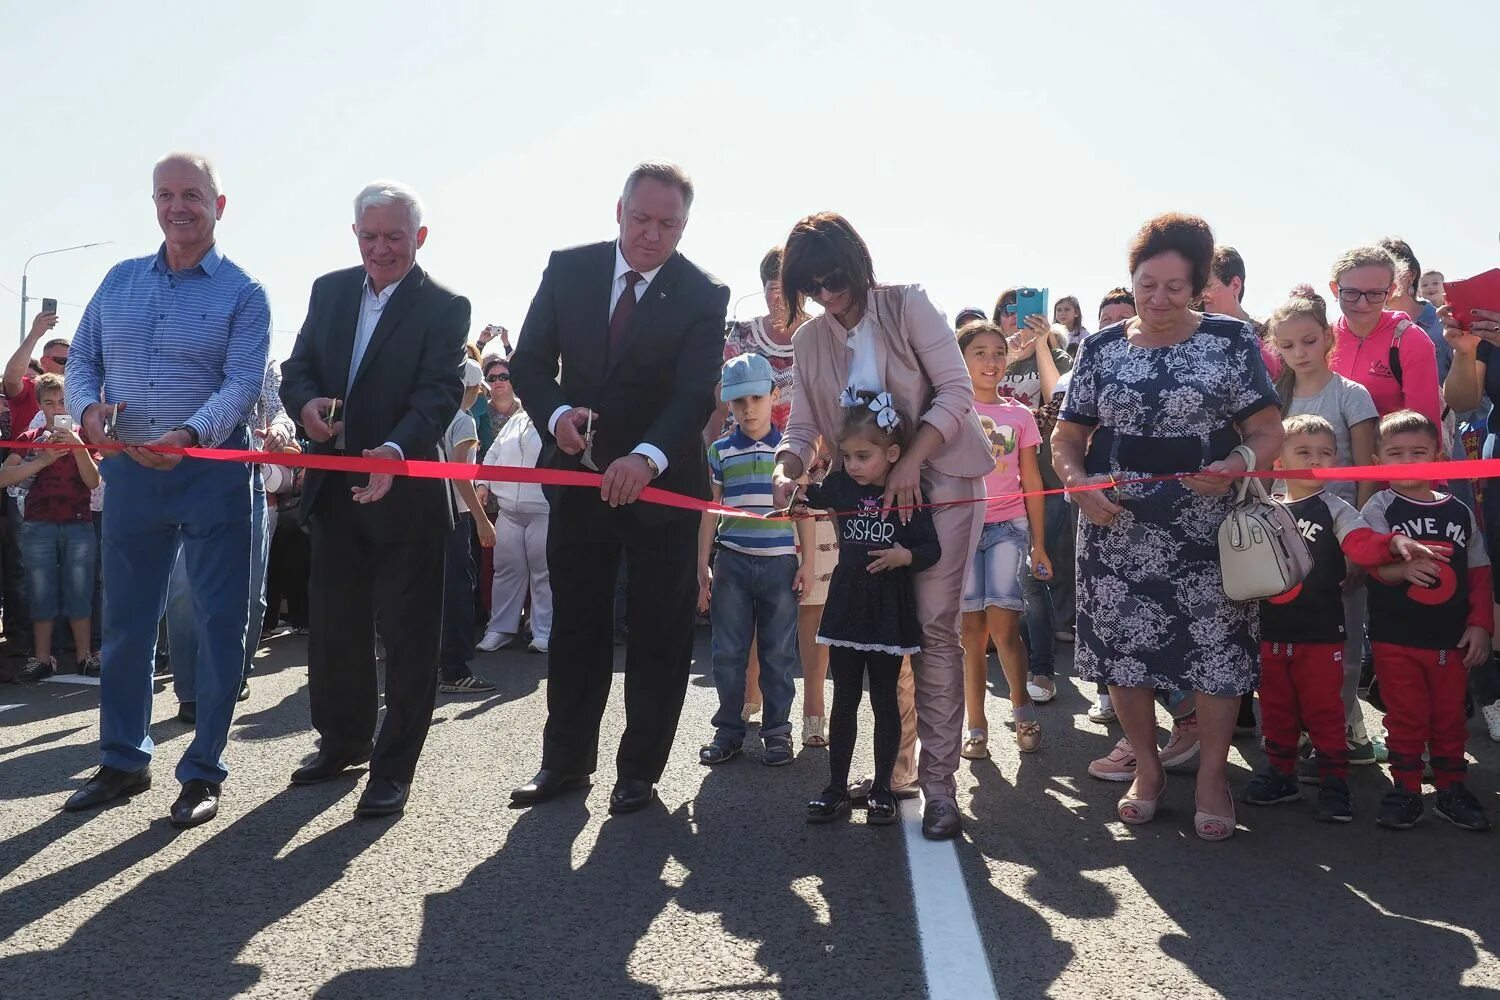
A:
(176, 347)
(741, 467)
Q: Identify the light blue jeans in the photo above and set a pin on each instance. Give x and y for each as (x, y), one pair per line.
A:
(753, 598)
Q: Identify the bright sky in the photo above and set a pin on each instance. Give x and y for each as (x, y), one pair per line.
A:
(975, 145)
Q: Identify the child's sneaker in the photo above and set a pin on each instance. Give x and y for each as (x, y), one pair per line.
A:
(35, 670)
(778, 751)
(1491, 714)
(1102, 710)
(717, 752)
(1269, 787)
(1334, 804)
(1458, 806)
(1307, 766)
(1182, 745)
(1118, 766)
(1361, 753)
(1400, 809)
(92, 667)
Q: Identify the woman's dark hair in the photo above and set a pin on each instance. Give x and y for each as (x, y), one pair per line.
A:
(1187, 235)
(861, 421)
(972, 330)
(1007, 298)
(816, 247)
(1070, 300)
(1117, 296)
(770, 266)
(493, 360)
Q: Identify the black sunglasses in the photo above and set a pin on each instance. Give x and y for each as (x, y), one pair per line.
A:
(497, 377)
(832, 284)
(61, 362)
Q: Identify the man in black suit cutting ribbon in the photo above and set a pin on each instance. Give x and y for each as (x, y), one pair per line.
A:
(638, 330)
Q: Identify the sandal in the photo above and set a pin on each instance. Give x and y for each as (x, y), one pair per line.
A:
(1211, 827)
(976, 746)
(814, 731)
(1136, 811)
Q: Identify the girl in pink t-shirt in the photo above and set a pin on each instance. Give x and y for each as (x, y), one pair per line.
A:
(1013, 527)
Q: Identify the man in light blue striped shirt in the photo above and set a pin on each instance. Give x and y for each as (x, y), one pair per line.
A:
(172, 348)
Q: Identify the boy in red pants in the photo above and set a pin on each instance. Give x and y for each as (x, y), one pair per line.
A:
(1430, 623)
(1302, 630)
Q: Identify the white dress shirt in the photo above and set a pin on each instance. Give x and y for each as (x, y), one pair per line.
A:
(864, 365)
(615, 291)
(371, 307)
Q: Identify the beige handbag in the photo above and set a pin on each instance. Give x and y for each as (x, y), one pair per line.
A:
(1261, 552)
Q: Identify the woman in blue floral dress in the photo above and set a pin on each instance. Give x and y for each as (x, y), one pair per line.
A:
(1172, 391)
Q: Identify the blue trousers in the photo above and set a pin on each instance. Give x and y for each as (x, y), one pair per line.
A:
(182, 626)
(753, 599)
(205, 507)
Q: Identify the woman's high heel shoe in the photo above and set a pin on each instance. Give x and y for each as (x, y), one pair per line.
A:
(1136, 811)
(1214, 828)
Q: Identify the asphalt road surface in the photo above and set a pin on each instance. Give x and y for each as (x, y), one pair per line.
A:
(721, 890)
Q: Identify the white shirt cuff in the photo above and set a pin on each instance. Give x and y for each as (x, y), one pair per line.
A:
(397, 448)
(652, 452)
(556, 416)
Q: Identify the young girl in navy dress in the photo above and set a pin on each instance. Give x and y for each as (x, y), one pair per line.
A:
(870, 620)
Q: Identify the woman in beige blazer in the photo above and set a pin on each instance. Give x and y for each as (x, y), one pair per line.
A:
(892, 338)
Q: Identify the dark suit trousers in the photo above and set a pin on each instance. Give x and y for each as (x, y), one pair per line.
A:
(358, 575)
(585, 540)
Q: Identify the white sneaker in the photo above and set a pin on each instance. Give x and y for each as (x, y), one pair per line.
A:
(1102, 710)
(494, 640)
(1492, 719)
(538, 645)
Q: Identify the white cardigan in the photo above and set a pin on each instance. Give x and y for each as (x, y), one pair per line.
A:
(517, 444)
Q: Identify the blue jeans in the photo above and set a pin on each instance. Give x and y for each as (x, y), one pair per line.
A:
(1040, 620)
(182, 634)
(753, 597)
(59, 560)
(204, 506)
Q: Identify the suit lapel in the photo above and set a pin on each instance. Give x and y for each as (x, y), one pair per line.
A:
(402, 299)
(345, 323)
(642, 321)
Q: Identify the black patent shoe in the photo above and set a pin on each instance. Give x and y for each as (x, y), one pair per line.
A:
(881, 808)
(832, 804)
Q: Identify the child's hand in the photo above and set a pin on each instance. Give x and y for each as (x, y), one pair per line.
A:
(65, 435)
(1418, 572)
(805, 580)
(1410, 549)
(1041, 566)
(892, 558)
(705, 588)
(1476, 646)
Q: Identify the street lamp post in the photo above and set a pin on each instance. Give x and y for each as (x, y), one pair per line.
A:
(46, 253)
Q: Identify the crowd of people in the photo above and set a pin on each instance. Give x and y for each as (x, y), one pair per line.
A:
(914, 495)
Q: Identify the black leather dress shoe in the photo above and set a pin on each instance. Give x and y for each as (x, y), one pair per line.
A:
(941, 820)
(327, 766)
(198, 803)
(383, 797)
(244, 694)
(546, 785)
(630, 795)
(188, 712)
(108, 784)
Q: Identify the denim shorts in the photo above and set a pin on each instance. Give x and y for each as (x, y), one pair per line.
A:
(994, 579)
(59, 562)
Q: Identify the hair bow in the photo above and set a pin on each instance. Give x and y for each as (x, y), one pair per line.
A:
(880, 404)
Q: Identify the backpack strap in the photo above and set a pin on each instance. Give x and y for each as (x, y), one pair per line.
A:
(1395, 357)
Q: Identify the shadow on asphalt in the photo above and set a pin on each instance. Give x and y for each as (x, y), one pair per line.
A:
(1288, 907)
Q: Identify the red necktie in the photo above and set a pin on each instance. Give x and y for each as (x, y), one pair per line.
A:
(624, 309)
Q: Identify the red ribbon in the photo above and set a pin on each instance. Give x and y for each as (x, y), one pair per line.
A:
(1472, 468)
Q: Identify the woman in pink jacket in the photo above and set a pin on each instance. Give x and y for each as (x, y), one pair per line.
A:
(892, 338)
(1406, 379)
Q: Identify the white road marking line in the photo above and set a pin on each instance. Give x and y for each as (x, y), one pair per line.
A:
(73, 679)
(4, 708)
(953, 955)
